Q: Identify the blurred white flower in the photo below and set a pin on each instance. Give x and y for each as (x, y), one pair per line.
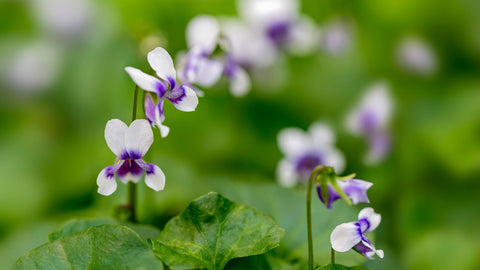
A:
(304, 151)
(64, 17)
(281, 24)
(33, 67)
(370, 119)
(336, 37)
(416, 56)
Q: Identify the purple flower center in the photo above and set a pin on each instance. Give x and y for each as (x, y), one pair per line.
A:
(278, 32)
(368, 121)
(230, 67)
(129, 166)
(130, 155)
(306, 163)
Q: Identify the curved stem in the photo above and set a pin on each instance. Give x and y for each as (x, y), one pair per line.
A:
(132, 187)
(315, 171)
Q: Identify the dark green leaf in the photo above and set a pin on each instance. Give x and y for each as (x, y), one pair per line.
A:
(100, 247)
(212, 230)
(79, 225)
(341, 267)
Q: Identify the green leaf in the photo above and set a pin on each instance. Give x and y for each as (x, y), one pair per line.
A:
(212, 230)
(341, 267)
(100, 247)
(261, 262)
(78, 225)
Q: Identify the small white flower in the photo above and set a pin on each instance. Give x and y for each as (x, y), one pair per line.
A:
(370, 119)
(417, 56)
(351, 235)
(304, 151)
(182, 96)
(129, 144)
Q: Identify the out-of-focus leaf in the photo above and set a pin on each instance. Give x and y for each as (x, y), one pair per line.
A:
(212, 230)
(78, 225)
(100, 247)
(261, 262)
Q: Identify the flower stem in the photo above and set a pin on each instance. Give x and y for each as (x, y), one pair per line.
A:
(132, 188)
(315, 171)
(332, 256)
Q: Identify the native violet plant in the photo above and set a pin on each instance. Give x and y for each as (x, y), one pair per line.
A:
(212, 231)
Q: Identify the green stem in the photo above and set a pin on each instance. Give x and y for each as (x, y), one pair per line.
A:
(332, 256)
(315, 171)
(132, 187)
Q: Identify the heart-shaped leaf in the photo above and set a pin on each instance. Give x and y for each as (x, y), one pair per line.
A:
(78, 225)
(212, 230)
(100, 247)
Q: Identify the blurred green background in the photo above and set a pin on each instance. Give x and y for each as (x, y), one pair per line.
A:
(51, 131)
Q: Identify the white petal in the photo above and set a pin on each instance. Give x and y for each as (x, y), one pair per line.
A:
(240, 83)
(209, 72)
(183, 98)
(372, 217)
(335, 159)
(162, 63)
(145, 81)
(138, 138)
(322, 134)
(203, 31)
(115, 136)
(106, 184)
(155, 179)
(247, 46)
(286, 175)
(293, 141)
(345, 236)
(265, 12)
(304, 36)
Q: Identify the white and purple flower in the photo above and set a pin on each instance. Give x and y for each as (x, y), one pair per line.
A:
(281, 24)
(416, 55)
(352, 234)
(129, 144)
(198, 66)
(182, 96)
(306, 150)
(354, 189)
(371, 118)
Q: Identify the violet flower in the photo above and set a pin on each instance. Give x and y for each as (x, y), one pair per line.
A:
(281, 24)
(129, 144)
(198, 66)
(370, 119)
(182, 97)
(416, 55)
(352, 234)
(306, 150)
(354, 189)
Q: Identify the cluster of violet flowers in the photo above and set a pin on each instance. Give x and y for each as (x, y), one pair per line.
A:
(265, 31)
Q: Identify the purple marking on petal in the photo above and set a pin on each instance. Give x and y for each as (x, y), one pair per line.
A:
(379, 144)
(130, 155)
(304, 164)
(149, 109)
(355, 189)
(230, 67)
(364, 225)
(129, 166)
(110, 171)
(161, 89)
(279, 32)
(172, 82)
(332, 195)
(362, 248)
(176, 95)
(368, 121)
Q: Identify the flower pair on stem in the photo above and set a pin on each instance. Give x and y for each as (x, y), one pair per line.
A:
(331, 187)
